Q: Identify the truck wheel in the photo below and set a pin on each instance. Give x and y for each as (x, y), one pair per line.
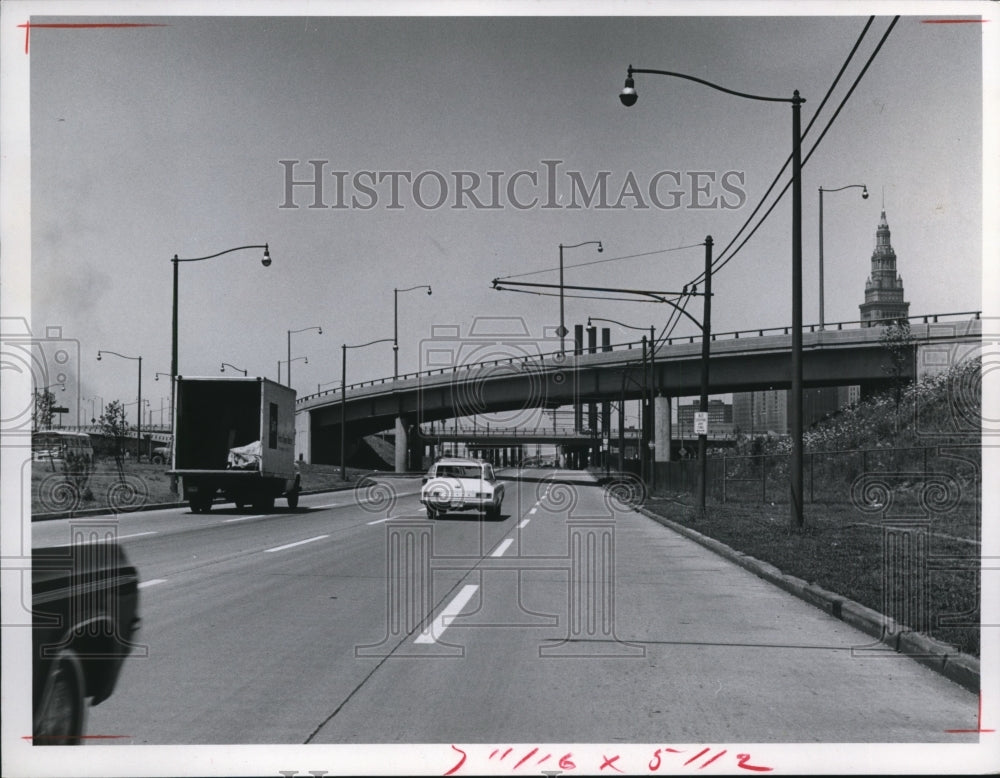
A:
(201, 504)
(293, 500)
(59, 714)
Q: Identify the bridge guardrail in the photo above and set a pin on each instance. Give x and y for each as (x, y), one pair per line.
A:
(632, 344)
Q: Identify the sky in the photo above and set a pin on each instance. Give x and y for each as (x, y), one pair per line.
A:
(182, 138)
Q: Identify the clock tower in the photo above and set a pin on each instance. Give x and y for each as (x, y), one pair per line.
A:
(884, 288)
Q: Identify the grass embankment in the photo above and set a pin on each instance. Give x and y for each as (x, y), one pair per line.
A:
(907, 545)
(138, 484)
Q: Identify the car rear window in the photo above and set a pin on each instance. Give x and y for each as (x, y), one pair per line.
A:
(459, 471)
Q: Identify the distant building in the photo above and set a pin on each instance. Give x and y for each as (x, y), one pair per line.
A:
(757, 413)
(884, 288)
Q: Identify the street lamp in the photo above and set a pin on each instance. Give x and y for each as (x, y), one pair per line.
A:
(395, 326)
(287, 363)
(629, 96)
(289, 360)
(224, 365)
(93, 415)
(562, 317)
(343, 400)
(864, 196)
(265, 261)
(138, 405)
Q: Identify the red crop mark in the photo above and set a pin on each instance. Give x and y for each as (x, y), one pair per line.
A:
(979, 722)
(28, 26)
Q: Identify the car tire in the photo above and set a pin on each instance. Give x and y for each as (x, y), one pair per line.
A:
(431, 513)
(156, 459)
(61, 711)
(293, 500)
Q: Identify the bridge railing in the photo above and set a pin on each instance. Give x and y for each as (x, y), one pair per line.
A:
(526, 432)
(558, 356)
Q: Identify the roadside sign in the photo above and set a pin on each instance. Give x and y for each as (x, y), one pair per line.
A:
(59, 409)
(701, 422)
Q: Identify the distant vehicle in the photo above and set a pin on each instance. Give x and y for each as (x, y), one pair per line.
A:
(459, 484)
(160, 455)
(236, 436)
(55, 445)
(84, 613)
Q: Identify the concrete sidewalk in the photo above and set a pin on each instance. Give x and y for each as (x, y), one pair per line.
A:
(941, 657)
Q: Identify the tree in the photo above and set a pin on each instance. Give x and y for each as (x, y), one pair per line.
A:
(114, 426)
(898, 342)
(41, 418)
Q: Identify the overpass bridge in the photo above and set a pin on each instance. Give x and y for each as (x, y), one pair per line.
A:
(522, 377)
(509, 445)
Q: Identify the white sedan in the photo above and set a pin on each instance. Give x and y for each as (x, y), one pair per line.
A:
(457, 484)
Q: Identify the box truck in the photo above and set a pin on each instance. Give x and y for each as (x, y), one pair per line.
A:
(235, 436)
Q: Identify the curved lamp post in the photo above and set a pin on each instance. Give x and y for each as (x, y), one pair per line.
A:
(343, 400)
(288, 382)
(288, 362)
(395, 326)
(864, 196)
(138, 424)
(222, 368)
(93, 415)
(562, 308)
(629, 96)
(265, 261)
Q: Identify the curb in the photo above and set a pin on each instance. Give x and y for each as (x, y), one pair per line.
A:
(945, 659)
(85, 512)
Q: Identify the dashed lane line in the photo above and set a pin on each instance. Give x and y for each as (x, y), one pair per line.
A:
(101, 540)
(440, 624)
(151, 582)
(502, 548)
(296, 543)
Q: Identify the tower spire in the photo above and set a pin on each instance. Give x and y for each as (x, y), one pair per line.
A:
(884, 288)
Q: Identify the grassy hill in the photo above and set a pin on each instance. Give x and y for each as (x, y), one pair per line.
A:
(896, 514)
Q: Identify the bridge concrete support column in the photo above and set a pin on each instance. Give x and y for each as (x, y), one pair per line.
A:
(402, 445)
(414, 451)
(662, 427)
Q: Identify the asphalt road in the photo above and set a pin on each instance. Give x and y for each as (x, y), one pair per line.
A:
(573, 619)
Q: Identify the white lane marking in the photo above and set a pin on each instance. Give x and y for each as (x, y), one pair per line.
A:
(499, 550)
(296, 543)
(446, 616)
(533, 511)
(524, 523)
(397, 516)
(245, 518)
(101, 540)
(152, 582)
